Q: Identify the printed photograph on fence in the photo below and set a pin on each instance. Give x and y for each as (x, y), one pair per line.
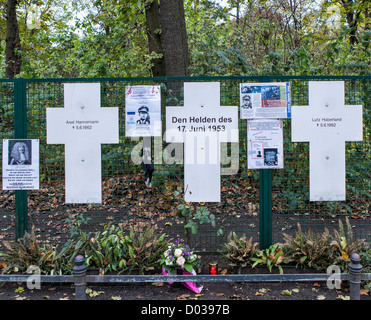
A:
(142, 111)
(265, 144)
(265, 100)
(20, 164)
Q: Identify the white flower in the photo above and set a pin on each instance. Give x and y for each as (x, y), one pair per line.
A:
(178, 252)
(166, 253)
(180, 261)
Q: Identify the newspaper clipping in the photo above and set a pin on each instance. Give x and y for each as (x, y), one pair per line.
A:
(265, 100)
(265, 144)
(143, 111)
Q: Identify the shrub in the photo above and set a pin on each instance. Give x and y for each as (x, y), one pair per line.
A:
(308, 249)
(145, 250)
(22, 253)
(238, 252)
(271, 257)
(344, 244)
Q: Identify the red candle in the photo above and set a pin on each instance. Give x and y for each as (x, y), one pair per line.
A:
(213, 268)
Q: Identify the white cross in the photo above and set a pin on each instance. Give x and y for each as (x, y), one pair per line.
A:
(202, 124)
(326, 124)
(82, 126)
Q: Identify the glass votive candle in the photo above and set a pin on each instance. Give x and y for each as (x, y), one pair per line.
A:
(213, 268)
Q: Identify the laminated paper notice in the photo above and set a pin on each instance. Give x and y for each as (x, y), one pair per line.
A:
(143, 111)
(265, 144)
(265, 100)
(21, 164)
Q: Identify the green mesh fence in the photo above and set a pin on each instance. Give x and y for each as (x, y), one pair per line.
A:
(128, 203)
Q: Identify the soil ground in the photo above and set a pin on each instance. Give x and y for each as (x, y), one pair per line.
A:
(232, 299)
(228, 291)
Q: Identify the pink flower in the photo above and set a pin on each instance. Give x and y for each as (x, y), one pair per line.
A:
(180, 261)
(178, 252)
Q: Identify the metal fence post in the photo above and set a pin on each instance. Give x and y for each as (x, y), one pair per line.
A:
(265, 208)
(265, 201)
(79, 271)
(20, 132)
(355, 269)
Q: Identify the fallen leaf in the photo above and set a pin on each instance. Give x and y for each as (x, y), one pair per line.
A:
(263, 290)
(157, 284)
(220, 294)
(316, 284)
(286, 292)
(341, 297)
(19, 290)
(116, 298)
(295, 290)
(364, 291)
(321, 297)
(46, 297)
(182, 297)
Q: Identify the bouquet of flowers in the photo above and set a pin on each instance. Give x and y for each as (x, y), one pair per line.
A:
(178, 257)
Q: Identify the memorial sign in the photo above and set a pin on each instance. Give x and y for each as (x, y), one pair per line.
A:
(265, 100)
(21, 164)
(265, 144)
(143, 111)
(82, 126)
(202, 124)
(326, 124)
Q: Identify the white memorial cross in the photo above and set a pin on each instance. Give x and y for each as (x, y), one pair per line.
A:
(202, 124)
(82, 126)
(326, 124)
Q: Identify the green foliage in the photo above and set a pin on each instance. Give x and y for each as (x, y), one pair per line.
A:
(271, 257)
(75, 222)
(145, 250)
(193, 218)
(108, 250)
(322, 250)
(344, 244)
(309, 249)
(22, 253)
(61, 261)
(238, 251)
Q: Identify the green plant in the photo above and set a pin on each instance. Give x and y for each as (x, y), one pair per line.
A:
(108, 250)
(344, 244)
(55, 261)
(75, 222)
(193, 218)
(366, 263)
(145, 249)
(22, 253)
(271, 257)
(306, 248)
(238, 252)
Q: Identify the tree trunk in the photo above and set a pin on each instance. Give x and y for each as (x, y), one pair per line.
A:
(13, 41)
(153, 24)
(174, 38)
